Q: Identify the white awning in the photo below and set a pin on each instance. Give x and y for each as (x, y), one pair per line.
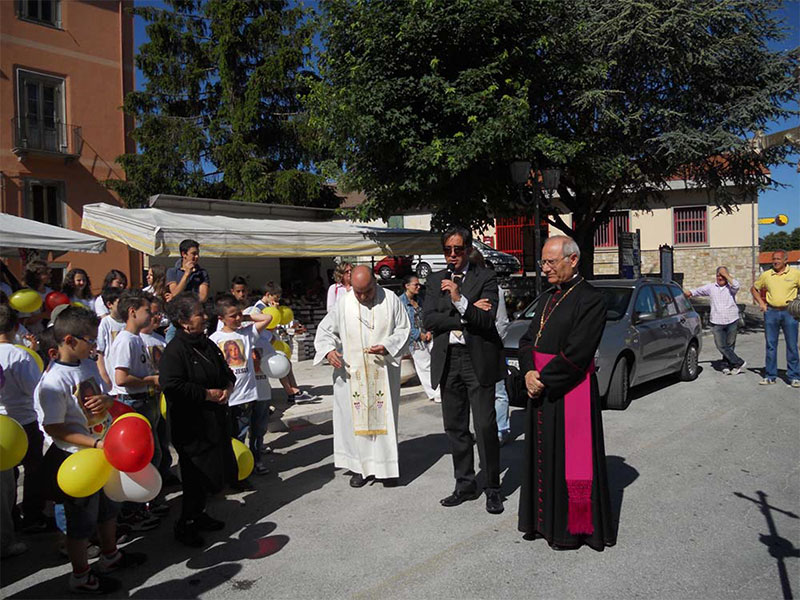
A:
(159, 232)
(18, 232)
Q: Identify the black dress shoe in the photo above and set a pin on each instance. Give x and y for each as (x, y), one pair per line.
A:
(458, 497)
(357, 480)
(391, 482)
(560, 548)
(494, 502)
(206, 522)
(186, 533)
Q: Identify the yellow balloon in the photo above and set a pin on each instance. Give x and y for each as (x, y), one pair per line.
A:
(275, 313)
(13, 443)
(244, 458)
(282, 346)
(26, 301)
(37, 359)
(77, 305)
(134, 415)
(287, 315)
(84, 473)
(163, 406)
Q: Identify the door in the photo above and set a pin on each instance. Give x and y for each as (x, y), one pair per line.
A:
(646, 322)
(41, 107)
(674, 324)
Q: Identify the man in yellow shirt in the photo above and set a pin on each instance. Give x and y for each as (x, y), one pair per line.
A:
(782, 284)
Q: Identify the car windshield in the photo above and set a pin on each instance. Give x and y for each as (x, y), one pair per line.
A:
(616, 299)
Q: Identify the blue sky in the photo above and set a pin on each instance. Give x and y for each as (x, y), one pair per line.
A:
(770, 203)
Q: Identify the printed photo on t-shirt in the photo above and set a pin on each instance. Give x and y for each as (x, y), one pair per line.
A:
(155, 355)
(256, 352)
(85, 390)
(233, 351)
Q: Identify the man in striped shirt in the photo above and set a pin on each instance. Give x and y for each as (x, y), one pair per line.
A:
(724, 317)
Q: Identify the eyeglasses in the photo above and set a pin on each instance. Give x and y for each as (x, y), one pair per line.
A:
(454, 250)
(550, 262)
(90, 341)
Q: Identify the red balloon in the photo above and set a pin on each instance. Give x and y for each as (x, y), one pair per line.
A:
(118, 408)
(129, 445)
(54, 299)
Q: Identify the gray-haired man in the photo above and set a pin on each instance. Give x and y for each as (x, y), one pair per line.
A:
(724, 317)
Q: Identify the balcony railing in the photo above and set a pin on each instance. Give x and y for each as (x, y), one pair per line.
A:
(38, 136)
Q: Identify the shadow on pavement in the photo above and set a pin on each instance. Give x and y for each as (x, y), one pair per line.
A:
(419, 454)
(620, 476)
(779, 547)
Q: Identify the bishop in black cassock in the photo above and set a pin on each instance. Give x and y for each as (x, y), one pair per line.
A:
(565, 495)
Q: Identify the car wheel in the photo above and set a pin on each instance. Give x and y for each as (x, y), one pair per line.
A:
(690, 368)
(385, 272)
(618, 397)
(423, 270)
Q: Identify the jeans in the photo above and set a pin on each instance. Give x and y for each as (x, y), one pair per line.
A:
(725, 341)
(170, 333)
(774, 321)
(501, 407)
(252, 417)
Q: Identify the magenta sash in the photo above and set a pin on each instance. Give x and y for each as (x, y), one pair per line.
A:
(577, 449)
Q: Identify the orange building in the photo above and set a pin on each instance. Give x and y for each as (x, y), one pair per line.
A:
(65, 67)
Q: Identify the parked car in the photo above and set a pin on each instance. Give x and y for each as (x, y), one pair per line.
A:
(499, 261)
(651, 331)
(393, 266)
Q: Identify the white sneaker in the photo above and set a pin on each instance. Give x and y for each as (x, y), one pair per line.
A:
(767, 381)
(795, 383)
(740, 369)
(436, 399)
(726, 371)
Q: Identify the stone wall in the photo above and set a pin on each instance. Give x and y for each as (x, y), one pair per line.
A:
(698, 266)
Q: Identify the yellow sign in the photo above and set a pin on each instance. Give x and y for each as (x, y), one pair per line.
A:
(779, 220)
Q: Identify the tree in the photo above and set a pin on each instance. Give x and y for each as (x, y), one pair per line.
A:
(781, 240)
(219, 115)
(426, 103)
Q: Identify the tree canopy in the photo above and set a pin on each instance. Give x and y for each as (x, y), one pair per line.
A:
(424, 104)
(220, 114)
(781, 240)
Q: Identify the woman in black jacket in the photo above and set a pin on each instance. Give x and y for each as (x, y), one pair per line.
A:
(196, 383)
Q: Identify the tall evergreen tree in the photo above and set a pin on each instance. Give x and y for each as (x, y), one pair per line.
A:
(427, 103)
(219, 115)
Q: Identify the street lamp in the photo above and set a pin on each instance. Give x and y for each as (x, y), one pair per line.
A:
(520, 175)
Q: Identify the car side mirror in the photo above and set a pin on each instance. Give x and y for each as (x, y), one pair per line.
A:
(645, 316)
(516, 314)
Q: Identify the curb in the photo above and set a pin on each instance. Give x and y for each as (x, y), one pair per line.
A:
(293, 422)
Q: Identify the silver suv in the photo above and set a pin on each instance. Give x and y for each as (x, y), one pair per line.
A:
(651, 331)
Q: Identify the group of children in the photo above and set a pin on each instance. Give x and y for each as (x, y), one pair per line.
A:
(94, 363)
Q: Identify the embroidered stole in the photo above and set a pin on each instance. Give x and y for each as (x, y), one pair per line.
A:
(367, 375)
(577, 449)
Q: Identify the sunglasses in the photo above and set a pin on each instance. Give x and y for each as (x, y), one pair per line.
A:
(90, 341)
(454, 249)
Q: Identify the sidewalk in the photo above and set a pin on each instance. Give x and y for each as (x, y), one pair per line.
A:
(318, 380)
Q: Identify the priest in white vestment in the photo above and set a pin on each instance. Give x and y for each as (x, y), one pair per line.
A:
(364, 337)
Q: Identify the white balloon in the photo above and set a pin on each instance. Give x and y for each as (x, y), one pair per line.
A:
(141, 486)
(277, 366)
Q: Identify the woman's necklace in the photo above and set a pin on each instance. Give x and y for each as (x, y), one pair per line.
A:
(546, 315)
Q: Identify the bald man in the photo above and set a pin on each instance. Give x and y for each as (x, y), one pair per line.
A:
(364, 337)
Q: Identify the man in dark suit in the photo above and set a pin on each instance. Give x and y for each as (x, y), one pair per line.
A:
(466, 361)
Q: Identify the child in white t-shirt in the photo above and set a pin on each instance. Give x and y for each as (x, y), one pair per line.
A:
(74, 407)
(20, 375)
(135, 380)
(236, 343)
(259, 415)
(109, 328)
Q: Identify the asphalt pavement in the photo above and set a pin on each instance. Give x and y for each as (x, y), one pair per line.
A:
(705, 481)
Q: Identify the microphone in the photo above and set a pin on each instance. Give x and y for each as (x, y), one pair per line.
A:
(450, 270)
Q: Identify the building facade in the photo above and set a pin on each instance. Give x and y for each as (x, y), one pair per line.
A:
(65, 67)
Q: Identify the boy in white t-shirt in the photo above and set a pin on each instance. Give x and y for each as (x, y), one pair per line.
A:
(260, 412)
(20, 376)
(236, 343)
(109, 328)
(135, 380)
(74, 407)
